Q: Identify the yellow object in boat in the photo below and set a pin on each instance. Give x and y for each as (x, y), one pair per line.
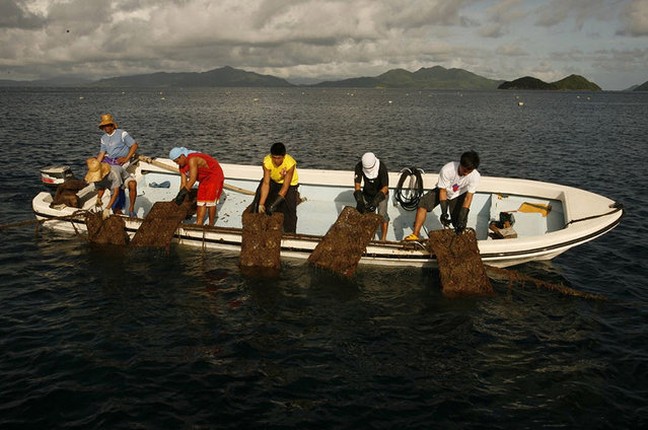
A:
(542, 209)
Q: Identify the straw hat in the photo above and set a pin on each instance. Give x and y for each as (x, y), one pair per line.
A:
(107, 119)
(96, 170)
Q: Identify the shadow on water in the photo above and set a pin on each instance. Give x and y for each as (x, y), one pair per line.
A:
(325, 283)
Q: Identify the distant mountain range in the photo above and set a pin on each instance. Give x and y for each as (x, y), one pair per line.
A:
(55, 82)
(223, 77)
(436, 77)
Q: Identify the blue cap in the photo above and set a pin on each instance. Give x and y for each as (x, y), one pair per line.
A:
(177, 151)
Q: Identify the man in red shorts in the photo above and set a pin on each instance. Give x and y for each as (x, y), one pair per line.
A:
(196, 166)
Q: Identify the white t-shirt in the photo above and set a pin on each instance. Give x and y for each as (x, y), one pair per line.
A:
(454, 184)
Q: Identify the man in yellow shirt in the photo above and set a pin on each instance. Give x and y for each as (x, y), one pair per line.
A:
(278, 189)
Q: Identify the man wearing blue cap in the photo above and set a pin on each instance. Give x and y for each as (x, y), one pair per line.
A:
(195, 167)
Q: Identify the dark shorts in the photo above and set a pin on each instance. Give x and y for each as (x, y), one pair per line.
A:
(120, 201)
(430, 200)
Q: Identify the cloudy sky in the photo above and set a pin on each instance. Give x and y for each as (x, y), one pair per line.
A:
(605, 41)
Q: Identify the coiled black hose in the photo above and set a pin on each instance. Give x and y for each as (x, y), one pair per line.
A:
(409, 196)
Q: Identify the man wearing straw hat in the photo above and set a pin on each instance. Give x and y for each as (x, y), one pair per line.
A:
(113, 178)
(117, 149)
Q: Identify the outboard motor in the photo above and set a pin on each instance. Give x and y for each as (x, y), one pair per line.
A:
(53, 176)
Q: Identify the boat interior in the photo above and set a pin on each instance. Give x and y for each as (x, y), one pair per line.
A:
(321, 205)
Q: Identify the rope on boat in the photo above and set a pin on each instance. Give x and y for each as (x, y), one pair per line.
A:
(409, 196)
(616, 205)
(516, 277)
(74, 226)
(226, 186)
(70, 217)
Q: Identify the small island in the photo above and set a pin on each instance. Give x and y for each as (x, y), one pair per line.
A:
(570, 83)
(642, 87)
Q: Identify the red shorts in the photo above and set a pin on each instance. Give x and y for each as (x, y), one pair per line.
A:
(209, 192)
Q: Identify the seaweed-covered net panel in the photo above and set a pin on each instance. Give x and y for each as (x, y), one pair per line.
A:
(460, 265)
(343, 245)
(261, 244)
(109, 231)
(160, 224)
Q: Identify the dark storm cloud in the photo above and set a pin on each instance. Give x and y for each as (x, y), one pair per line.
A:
(13, 14)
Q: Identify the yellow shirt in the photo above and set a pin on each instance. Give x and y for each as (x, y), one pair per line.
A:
(277, 173)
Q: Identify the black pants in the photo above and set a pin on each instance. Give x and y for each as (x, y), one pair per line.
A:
(288, 207)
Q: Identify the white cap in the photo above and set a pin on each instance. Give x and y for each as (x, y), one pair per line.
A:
(370, 165)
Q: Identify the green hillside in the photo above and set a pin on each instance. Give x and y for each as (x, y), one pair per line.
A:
(439, 77)
(436, 77)
(642, 87)
(576, 82)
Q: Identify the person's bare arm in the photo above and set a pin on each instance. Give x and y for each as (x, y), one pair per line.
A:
(131, 153)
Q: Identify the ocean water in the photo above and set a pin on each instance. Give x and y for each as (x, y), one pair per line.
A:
(105, 337)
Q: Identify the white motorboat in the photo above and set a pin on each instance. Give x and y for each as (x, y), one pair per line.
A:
(560, 218)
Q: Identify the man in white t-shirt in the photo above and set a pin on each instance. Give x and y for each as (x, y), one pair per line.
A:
(454, 192)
